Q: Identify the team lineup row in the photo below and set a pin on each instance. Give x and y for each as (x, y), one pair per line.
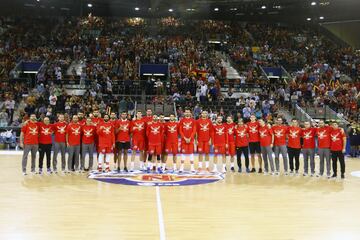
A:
(154, 138)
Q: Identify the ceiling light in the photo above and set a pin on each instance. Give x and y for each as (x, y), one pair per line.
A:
(137, 9)
(190, 9)
(263, 7)
(308, 19)
(277, 7)
(216, 9)
(321, 18)
(313, 3)
(233, 9)
(171, 10)
(90, 5)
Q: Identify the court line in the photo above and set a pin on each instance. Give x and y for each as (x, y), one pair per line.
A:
(160, 214)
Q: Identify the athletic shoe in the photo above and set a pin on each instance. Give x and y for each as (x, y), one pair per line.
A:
(277, 173)
(248, 170)
(291, 172)
(312, 174)
(239, 170)
(107, 169)
(305, 174)
(199, 169)
(318, 175)
(334, 176)
(224, 171)
(125, 169)
(33, 172)
(232, 169)
(192, 169)
(99, 169)
(328, 176)
(253, 170)
(118, 169)
(260, 170)
(297, 172)
(55, 171)
(286, 173)
(49, 171)
(266, 173)
(214, 170)
(154, 168)
(342, 176)
(24, 173)
(160, 170)
(207, 169)
(273, 173)
(40, 171)
(148, 170)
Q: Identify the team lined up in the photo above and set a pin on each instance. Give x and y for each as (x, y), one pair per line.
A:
(154, 138)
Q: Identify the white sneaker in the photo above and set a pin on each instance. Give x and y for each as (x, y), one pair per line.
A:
(24, 173)
(192, 169)
(286, 173)
(214, 170)
(266, 173)
(305, 174)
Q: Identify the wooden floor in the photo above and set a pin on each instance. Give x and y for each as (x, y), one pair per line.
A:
(239, 207)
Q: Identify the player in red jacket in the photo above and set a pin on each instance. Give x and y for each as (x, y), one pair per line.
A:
(171, 134)
(106, 137)
(59, 142)
(204, 131)
(231, 151)
(138, 136)
(266, 144)
(242, 144)
(154, 133)
(308, 148)
(29, 141)
(73, 140)
(187, 130)
(45, 143)
(323, 138)
(337, 147)
(254, 142)
(220, 141)
(294, 146)
(87, 144)
(122, 140)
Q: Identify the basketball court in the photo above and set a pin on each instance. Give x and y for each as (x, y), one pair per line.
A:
(241, 206)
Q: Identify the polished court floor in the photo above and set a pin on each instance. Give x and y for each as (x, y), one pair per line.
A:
(241, 206)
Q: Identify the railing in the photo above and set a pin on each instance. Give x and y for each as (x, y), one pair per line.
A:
(301, 115)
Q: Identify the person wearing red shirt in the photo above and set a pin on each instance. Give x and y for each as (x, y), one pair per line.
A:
(73, 139)
(29, 142)
(59, 129)
(45, 143)
(82, 120)
(187, 131)
(122, 140)
(308, 148)
(148, 120)
(323, 139)
(254, 142)
(171, 133)
(113, 120)
(294, 146)
(242, 144)
(266, 144)
(138, 135)
(154, 133)
(337, 147)
(220, 140)
(203, 135)
(230, 128)
(106, 136)
(163, 122)
(279, 131)
(87, 142)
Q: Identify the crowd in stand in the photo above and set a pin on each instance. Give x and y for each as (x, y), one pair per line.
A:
(111, 50)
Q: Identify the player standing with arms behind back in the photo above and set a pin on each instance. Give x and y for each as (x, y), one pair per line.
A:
(230, 128)
(337, 147)
(171, 133)
(254, 142)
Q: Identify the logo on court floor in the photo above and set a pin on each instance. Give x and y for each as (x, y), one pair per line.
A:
(139, 178)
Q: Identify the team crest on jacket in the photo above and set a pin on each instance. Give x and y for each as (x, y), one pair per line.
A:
(140, 178)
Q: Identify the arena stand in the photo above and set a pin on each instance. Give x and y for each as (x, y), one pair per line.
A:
(95, 62)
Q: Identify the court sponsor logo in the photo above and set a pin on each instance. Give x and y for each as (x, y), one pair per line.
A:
(140, 178)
